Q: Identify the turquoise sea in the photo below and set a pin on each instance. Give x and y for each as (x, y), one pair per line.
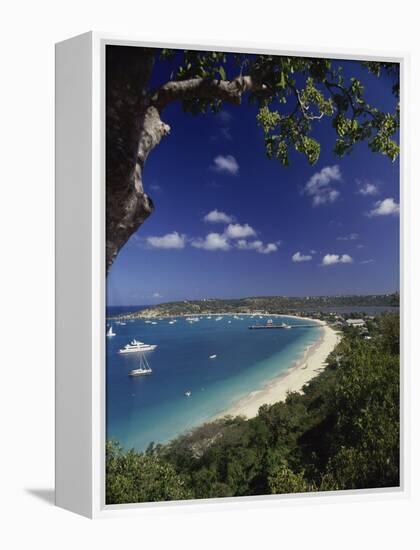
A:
(155, 408)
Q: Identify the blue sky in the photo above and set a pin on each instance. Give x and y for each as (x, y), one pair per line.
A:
(229, 222)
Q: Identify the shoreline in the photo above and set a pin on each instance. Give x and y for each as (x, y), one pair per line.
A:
(223, 313)
(309, 365)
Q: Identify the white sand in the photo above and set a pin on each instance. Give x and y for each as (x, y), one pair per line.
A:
(293, 380)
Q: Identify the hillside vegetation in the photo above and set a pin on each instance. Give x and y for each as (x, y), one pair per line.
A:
(271, 304)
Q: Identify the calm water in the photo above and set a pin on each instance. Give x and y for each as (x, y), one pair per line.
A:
(155, 408)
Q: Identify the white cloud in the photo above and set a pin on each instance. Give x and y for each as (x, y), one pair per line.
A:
(367, 261)
(225, 164)
(385, 208)
(366, 188)
(242, 244)
(320, 186)
(298, 257)
(157, 295)
(213, 241)
(235, 235)
(238, 231)
(350, 237)
(268, 248)
(259, 246)
(216, 216)
(331, 259)
(171, 240)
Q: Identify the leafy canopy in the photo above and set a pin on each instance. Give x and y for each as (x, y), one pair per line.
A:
(292, 94)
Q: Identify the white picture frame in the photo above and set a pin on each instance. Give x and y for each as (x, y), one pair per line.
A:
(80, 279)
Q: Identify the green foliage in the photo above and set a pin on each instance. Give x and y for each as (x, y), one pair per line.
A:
(365, 446)
(283, 480)
(389, 330)
(341, 433)
(140, 477)
(293, 94)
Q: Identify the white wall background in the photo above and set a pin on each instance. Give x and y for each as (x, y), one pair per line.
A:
(28, 32)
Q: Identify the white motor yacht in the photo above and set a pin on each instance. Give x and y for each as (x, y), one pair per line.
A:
(135, 346)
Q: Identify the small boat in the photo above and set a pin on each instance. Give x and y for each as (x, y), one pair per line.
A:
(110, 332)
(135, 346)
(212, 356)
(144, 368)
(187, 393)
(154, 323)
(229, 321)
(218, 318)
(140, 372)
(209, 317)
(192, 319)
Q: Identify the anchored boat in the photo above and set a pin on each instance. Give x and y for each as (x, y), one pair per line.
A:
(135, 346)
(144, 368)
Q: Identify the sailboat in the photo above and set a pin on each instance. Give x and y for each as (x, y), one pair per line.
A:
(143, 369)
(110, 332)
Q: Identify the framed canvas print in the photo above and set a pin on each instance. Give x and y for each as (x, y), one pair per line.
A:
(228, 274)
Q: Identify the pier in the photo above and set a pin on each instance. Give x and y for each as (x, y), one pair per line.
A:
(273, 326)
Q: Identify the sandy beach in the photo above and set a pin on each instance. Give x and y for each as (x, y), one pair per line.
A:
(308, 366)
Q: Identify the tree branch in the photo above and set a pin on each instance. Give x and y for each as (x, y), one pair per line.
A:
(203, 88)
(305, 108)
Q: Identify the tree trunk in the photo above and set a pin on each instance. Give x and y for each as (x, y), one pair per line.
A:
(128, 72)
(134, 128)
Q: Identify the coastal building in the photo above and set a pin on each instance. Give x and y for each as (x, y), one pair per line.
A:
(355, 322)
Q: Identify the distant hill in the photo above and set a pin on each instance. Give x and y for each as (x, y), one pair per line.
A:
(269, 304)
